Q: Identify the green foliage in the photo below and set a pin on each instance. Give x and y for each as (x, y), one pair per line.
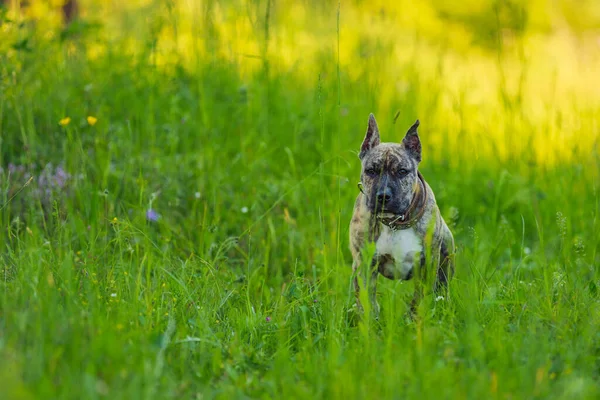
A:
(190, 240)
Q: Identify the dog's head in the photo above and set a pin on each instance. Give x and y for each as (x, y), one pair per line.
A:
(389, 170)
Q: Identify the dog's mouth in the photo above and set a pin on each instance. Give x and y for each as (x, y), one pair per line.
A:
(393, 217)
(388, 214)
(395, 209)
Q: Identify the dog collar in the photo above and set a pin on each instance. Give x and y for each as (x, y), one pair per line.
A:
(415, 211)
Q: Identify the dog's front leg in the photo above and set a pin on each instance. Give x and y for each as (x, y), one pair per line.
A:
(370, 283)
(420, 283)
(374, 272)
(446, 266)
(355, 273)
(432, 275)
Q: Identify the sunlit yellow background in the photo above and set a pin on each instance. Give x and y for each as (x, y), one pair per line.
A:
(533, 65)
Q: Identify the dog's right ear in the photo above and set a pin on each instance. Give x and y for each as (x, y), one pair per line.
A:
(371, 138)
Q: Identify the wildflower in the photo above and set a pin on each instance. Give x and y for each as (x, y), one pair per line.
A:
(439, 298)
(197, 195)
(65, 121)
(268, 319)
(113, 295)
(51, 182)
(152, 215)
(115, 220)
(13, 169)
(244, 210)
(92, 120)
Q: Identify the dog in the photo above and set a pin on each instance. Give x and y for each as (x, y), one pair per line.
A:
(397, 211)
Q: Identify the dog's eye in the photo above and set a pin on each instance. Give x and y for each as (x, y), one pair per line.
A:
(402, 171)
(371, 171)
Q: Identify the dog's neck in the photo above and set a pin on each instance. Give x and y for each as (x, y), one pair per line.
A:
(415, 211)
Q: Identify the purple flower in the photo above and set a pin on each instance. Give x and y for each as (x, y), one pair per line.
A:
(51, 181)
(268, 319)
(15, 169)
(60, 177)
(152, 215)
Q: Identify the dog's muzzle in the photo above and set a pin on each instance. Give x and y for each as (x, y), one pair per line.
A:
(413, 214)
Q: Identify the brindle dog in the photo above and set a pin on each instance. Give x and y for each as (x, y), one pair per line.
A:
(396, 210)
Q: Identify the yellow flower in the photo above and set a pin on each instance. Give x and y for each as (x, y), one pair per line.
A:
(92, 120)
(65, 121)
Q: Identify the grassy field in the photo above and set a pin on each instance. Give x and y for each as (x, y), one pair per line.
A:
(178, 179)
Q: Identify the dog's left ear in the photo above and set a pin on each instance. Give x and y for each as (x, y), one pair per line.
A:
(412, 143)
(371, 138)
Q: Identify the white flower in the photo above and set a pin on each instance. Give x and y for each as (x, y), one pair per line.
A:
(244, 210)
(527, 250)
(113, 295)
(439, 298)
(197, 195)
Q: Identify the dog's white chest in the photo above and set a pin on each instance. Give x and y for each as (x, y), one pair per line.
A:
(402, 246)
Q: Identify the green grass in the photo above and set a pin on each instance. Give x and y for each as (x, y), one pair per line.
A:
(242, 288)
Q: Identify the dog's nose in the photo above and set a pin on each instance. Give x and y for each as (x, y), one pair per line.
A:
(384, 195)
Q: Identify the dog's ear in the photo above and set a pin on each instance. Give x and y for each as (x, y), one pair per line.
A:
(371, 138)
(412, 143)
